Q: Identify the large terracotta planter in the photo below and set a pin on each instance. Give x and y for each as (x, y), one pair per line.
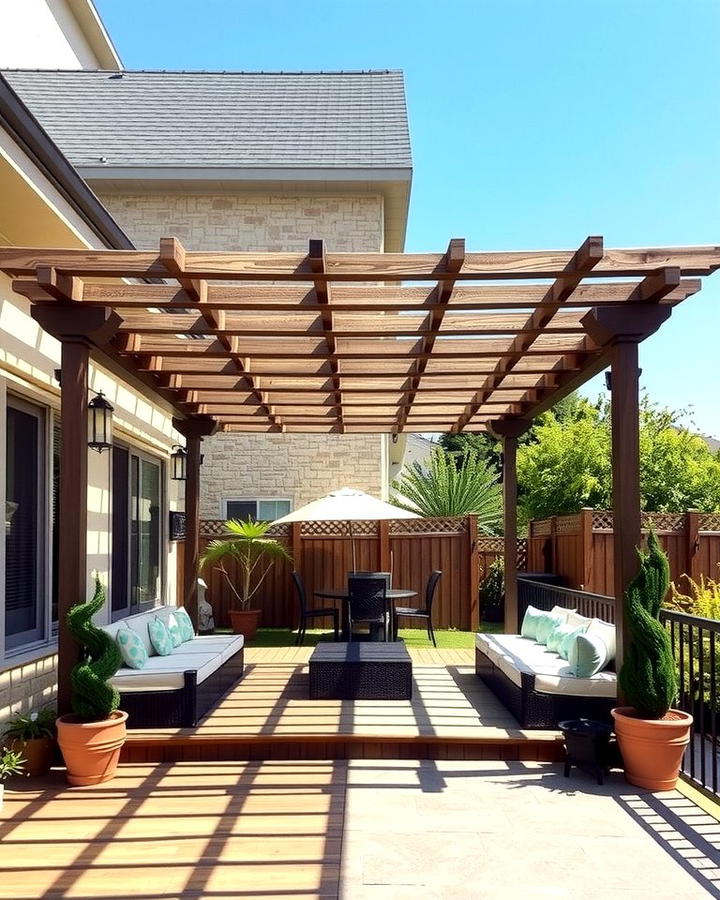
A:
(91, 750)
(652, 749)
(245, 621)
(37, 753)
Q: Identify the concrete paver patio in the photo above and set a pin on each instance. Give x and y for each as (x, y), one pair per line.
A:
(353, 829)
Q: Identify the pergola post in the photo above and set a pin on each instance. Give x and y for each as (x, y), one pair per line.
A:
(194, 430)
(620, 330)
(77, 331)
(627, 525)
(508, 431)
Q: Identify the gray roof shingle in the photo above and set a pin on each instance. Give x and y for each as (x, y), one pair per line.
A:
(275, 120)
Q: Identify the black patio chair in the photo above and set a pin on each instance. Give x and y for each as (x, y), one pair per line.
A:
(311, 612)
(421, 612)
(367, 603)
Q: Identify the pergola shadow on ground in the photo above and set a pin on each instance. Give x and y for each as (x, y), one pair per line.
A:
(350, 343)
(365, 828)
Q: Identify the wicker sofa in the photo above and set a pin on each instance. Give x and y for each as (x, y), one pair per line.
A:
(176, 690)
(537, 685)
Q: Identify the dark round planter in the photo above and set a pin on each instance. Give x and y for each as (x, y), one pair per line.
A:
(493, 614)
(245, 622)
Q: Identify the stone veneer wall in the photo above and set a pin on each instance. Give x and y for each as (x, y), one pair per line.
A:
(298, 467)
(28, 686)
(247, 221)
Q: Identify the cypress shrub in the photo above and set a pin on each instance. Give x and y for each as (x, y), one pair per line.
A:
(647, 679)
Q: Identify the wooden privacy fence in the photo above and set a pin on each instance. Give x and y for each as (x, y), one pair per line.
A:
(322, 553)
(580, 547)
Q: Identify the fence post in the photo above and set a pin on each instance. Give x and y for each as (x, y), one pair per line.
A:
(692, 543)
(296, 545)
(553, 545)
(474, 574)
(587, 547)
(384, 538)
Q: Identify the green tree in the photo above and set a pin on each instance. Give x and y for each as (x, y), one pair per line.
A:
(443, 488)
(566, 465)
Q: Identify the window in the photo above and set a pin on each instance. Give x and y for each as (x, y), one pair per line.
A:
(137, 535)
(262, 510)
(25, 530)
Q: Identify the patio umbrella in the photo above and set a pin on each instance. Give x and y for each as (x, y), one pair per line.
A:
(347, 505)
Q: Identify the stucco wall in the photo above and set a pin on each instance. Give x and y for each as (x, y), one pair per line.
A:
(43, 34)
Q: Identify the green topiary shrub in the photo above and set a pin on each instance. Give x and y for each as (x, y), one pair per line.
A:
(93, 698)
(648, 680)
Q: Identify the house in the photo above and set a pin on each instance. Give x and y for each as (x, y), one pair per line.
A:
(247, 161)
(94, 156)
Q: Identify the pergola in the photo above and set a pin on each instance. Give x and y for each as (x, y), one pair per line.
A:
(352, 342)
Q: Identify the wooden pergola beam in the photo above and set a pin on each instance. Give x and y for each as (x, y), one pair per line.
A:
(358, 267)
(346, 298)
(588, 255)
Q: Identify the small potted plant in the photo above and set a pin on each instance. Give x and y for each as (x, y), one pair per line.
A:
(33, 736)
(11, 763)
(92, 736)
(253, 554)
(652, 736)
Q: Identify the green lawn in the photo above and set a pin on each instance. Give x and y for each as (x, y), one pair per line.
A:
(413, 637)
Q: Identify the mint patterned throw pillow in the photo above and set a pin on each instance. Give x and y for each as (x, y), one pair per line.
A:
(185, 622)
(131, 647)
(160, 637)
(174, 630)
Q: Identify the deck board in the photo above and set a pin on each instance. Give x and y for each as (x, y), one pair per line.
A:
(271, 706)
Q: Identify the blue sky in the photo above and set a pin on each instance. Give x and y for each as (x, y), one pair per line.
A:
(533, 124)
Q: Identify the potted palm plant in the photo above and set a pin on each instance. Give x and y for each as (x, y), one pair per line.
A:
(92, 736)
(652, 736)
(33, 735)
(253, 554)
(11, 763)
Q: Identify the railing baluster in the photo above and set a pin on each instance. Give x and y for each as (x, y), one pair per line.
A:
(691, 684)
(713, 713)
(701, 677)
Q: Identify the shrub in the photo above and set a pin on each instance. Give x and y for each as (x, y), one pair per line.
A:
(492, 587)
(93, 699)
(648, 678)
(702, 599)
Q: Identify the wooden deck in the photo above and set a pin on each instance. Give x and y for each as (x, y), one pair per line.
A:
(268, 715)
(177, 831)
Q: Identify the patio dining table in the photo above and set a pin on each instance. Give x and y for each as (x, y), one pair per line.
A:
(342, 594)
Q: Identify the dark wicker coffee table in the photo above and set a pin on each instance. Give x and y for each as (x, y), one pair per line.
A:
(361, 671)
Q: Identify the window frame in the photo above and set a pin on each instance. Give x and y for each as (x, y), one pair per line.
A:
(257, 501)
(133, 451)
(42, 635)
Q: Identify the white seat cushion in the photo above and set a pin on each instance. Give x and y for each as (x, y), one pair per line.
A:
(226, 645)
(513, 654)
(165, 673)
(139, 623)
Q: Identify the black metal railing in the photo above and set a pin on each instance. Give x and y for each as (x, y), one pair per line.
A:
(545, 596)
(696, 642)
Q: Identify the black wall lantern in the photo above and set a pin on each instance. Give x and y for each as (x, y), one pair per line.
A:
(99, 423)
(178, 463)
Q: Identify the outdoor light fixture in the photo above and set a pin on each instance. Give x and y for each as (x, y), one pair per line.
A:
(178, 463)
(99, 423)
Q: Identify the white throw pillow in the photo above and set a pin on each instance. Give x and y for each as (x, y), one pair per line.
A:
(562, 611)
(606, 631)
(577, 620)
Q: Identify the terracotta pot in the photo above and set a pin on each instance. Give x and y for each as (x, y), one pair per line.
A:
(37, 752)
(245, 621)
(652, 749)
(91, 750)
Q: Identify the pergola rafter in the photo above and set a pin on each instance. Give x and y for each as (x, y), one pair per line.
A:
(341, 342)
